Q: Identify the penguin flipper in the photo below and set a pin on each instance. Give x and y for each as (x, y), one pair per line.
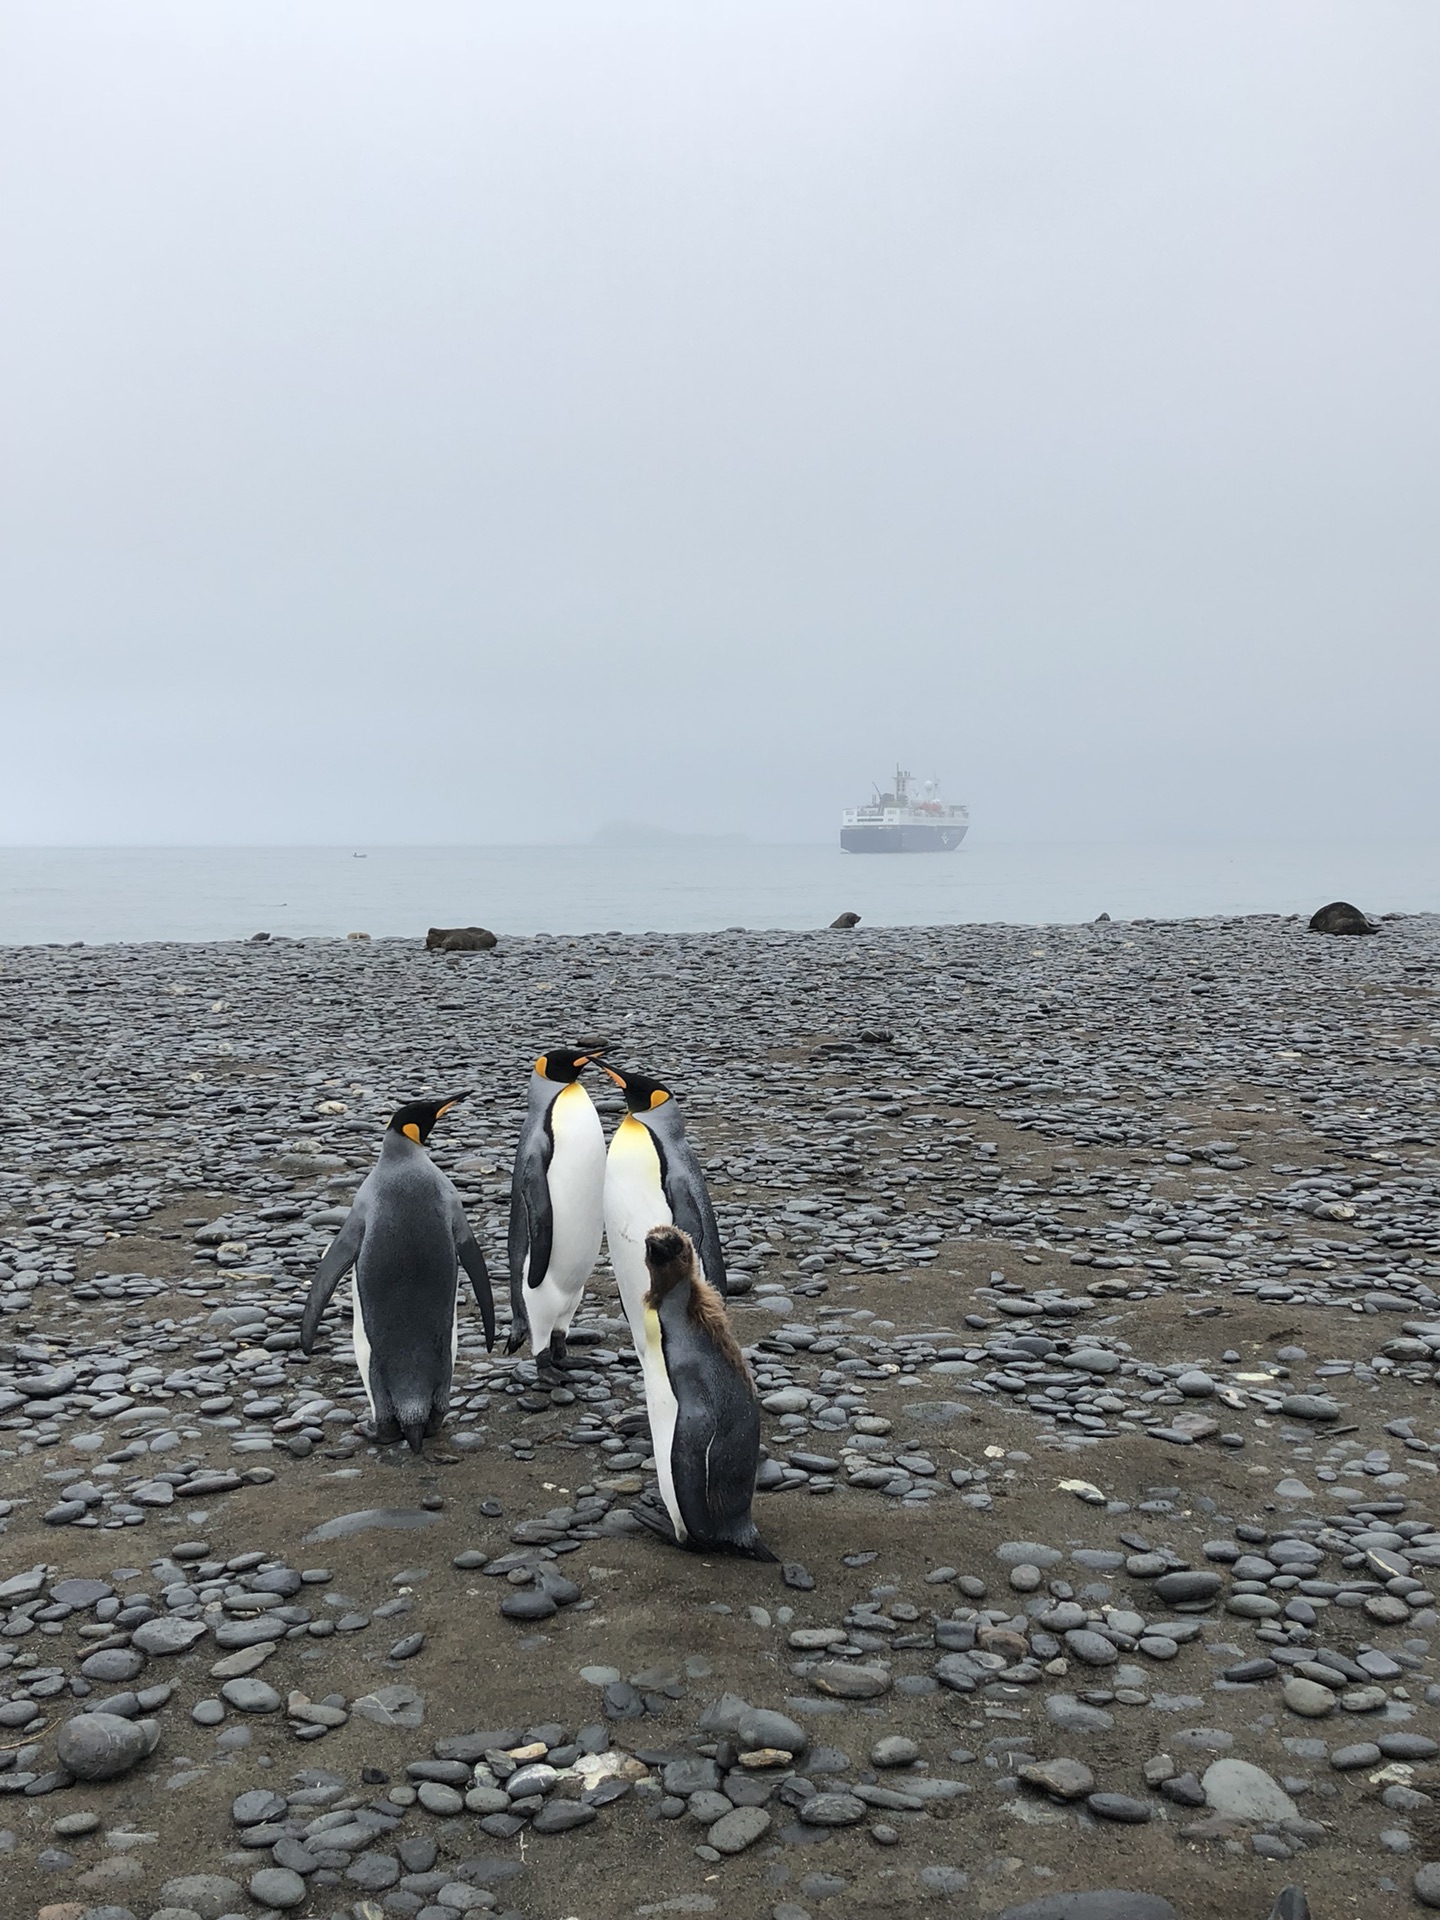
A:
(341, 1254)
(473, 1261)
(690, 1207)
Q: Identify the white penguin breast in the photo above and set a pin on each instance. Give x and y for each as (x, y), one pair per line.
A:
(576, 1179)
(664, 1410)
(634, 1203)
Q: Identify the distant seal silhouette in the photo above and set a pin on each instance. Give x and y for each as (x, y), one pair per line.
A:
(460, 940)
(1341, 917)
(846, 920)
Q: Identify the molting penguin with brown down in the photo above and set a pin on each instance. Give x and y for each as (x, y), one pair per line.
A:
(704, 1417)
(406, 1236)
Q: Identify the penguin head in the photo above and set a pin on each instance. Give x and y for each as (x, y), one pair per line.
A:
(564, 1065)
(642, 1096)
(417, 1117)
(669, 1260)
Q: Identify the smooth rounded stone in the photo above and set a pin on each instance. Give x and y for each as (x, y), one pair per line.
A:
(251, 1696)
(1064, 1779)
(438, 1798)
(113, 1666)
(1426, 1884)
(1076, 1716)
(832, 1810)
(895, 1750)
(1309, 1406)
(562, 1816)
(373, 1871)
(1027, 1553)
(734, 1832)
(1252, 1606)
(528, 1603)
(1364, 1753)
(254, 1808)
(101, 1746)
(1026, 1578)
(1091, 1648)
(1407, 1746)
(843, 1681)
(208, 1713)
(1157, 1646)
(1187, 1588)
(1120, 1808)
(1308, 1698)
(1195, 1384)
(277, 1887)
(1104, 1903)
(761, 1727)
(1239, 1791)
(208, 1894)
(168, 1635)
(70, 1826)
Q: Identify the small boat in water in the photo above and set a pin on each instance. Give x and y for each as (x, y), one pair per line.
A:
(911, 819)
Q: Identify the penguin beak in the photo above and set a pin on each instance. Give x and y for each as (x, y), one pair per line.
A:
(618, 1078)
(453, 1101)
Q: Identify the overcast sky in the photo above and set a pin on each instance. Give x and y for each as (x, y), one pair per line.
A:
(439, 420)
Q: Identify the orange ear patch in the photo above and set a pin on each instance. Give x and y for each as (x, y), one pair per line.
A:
(541, 1063)
(411, 1131)
(658, 1098)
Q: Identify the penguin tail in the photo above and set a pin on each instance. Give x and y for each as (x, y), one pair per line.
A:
(414, 1431)
(1291, 1904)
(752, 1546)
(516, 1338)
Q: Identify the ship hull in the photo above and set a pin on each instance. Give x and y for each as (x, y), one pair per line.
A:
(897, 839)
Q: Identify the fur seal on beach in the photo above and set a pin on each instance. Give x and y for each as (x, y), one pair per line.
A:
(556, 1204)
(1341, 917)
(846, 920)
(652, 1178)
(460, 940)
(704, 1416)
(404, 1236)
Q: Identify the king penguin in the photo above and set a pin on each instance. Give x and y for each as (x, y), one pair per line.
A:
(404, 1236)
(704, 1417)
(557, 1205)
(652, 1178)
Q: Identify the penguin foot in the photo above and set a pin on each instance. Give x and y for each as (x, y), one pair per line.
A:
(652, 1514)
(381, 1433)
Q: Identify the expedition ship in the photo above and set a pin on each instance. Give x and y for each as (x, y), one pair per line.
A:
(907, 820)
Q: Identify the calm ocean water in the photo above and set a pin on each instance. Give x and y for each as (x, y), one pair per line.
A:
(222, 893)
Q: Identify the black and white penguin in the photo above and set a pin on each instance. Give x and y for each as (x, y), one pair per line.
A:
(704, 1417)
(557, 1196)
(652, 1178)
(405, 1237)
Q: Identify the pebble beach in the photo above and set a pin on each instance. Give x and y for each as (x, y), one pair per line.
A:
(1090, 1280)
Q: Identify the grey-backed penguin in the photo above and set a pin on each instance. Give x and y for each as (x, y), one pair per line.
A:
(652, 1178)
(404, 1236)
(704, 1417)
(557, 1196)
